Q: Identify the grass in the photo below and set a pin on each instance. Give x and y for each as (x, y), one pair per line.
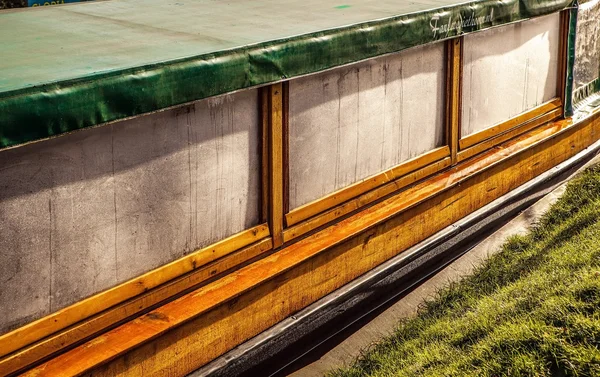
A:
(531, 310)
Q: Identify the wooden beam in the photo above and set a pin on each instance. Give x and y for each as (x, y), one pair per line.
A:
(329, 201)
(453, 95)
(276, 204)
(264, 167)
(510, 124)
(497, 140)
(72, 324)
(286, 147)
(184, 334)
(363, 200)
(563, 55)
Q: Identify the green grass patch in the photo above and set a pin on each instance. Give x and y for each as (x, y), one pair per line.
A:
(531, 310)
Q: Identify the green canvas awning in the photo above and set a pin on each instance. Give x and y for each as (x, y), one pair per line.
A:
(69, 67)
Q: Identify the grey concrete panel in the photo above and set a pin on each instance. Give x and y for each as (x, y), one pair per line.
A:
(56, 224)
(86, 211)
(199, 181)
(353, 122)
(508, 70)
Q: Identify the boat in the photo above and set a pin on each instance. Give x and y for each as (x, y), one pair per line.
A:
(177, 178)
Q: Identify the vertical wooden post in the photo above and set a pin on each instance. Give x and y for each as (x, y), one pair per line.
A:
(453, 94)
(286, 150)
(265, 148)
(276, 163)
(562, 56)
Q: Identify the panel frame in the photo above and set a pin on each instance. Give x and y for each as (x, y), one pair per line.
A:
(331, 207)
(454, 80)
(67, 327)
(278, 225)
(486, 177)
(551, 110)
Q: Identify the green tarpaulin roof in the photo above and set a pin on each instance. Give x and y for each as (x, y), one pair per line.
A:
(68, 67)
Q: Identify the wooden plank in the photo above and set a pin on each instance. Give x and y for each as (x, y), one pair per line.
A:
(311, 209)
(286, 146)
(363, 200)
(453, 94)
(127, 202)
(139, 304)
(276, 215)
(563, 55)
(498, 129)
(264, 172)
(485, 145)
(184, 334)
(93, 305)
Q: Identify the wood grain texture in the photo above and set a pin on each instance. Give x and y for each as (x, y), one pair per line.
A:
(454, 82)
(363, 200)
(520, 119)
(264, 166)
(286, 146)
(563, 52)
(494, 141)
(100, 311)
(276, 161)
(329, 201)
(186, 333)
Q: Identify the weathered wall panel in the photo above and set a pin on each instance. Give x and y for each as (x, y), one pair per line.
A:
(524, 55)
(587, 49)
(81, 213)
(212, 333)
(350, 123)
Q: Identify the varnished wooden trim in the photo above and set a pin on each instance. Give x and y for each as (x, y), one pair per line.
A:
(286, 146)
(82, 310)
(362, 200)
(321, 205)
(276, 204)
(182, 335)
(264, 167)
(528, 116)
(563, 54)
(453, 94)
(508, 125)
(139, 304)
(490, 143)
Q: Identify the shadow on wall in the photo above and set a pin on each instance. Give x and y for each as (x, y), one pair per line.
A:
(83, 212)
